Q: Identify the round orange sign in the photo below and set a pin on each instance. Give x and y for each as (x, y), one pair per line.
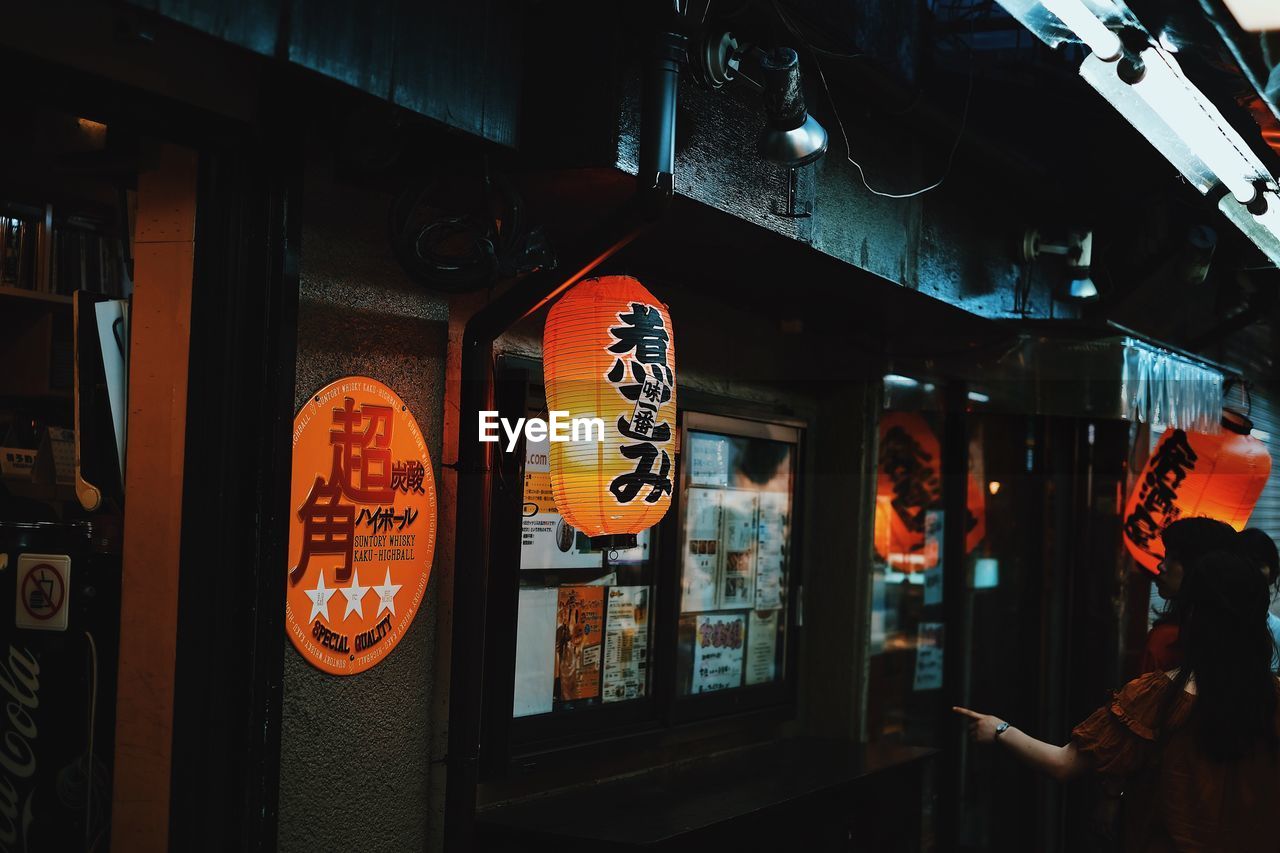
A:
(363, 527)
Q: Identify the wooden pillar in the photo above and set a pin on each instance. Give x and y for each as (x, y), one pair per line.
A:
(164, 252)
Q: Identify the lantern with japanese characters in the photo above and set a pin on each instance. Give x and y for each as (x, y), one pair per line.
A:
(1192, 474)
(908, 517)
(609, 354)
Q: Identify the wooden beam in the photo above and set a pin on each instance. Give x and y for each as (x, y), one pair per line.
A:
(161, 331)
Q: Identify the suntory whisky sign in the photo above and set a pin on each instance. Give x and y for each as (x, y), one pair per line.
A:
(363, 525)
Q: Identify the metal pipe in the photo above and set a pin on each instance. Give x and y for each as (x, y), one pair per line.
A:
(658, 110)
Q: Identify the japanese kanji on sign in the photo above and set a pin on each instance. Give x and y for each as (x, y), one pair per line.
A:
(1192, 474)
(909, 489)
(363, 525)
(609, 352)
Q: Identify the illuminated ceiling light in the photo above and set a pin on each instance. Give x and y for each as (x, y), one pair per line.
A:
(1179, 121)
(1057, 22)
(1149, 89)
(1255, 15)
(1194, 118)
(1103, 42)
(1263, 229)
(979, 397)
(896, 379)
(994, 487)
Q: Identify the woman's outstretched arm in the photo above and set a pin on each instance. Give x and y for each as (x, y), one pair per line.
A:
(1060, 762)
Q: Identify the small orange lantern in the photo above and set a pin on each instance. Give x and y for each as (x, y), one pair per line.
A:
(909, 488)
(1191, 474)
(609, 353)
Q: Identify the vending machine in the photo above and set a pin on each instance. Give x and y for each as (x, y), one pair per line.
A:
(60, 600)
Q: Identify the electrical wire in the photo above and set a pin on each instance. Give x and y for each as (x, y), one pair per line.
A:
(848, 151)
(799, 36)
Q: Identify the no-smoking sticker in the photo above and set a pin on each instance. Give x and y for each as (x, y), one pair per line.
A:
(43, 584)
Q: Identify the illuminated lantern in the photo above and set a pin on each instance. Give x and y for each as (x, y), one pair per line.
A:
(1191, 474)
(609, 353)
(908, 533)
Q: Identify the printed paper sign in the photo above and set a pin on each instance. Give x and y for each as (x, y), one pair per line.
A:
(702, 550)
(933, 586)
(770, 559)
(363, 528)
(708, 459)
(579, 637)
(547, 541)
(738, 541)
(928, 674)
(717, 653)
(626, 643)
(535, 652)
(762, 647)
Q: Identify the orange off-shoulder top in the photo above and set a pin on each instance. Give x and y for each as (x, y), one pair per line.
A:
(1175, 797)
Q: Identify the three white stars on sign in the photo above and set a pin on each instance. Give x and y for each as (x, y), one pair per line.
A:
(320, 595)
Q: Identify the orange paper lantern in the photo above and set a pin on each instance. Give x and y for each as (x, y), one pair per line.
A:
(609, 353)
(1191, 474)
(909, 494)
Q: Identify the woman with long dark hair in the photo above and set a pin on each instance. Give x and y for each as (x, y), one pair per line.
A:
(1261, 548)
(1197, 748)
(1184, 541)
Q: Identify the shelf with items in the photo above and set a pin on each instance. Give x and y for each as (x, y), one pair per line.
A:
(48, 254)
(21, 294)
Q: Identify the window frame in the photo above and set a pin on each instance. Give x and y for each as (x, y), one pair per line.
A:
(661, 718)
(704, 417)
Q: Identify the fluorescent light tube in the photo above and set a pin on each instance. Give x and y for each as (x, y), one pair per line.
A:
(1263, 230)
(1104, 43)
(1181, 123)
(1057, 21)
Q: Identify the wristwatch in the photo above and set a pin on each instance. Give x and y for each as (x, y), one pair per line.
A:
(1001, 728)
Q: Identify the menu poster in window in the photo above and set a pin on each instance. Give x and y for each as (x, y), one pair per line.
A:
(762, 646)
(535, 652)
(928, 656)
(579, 637)
(770, 563)
(701, 551)
(933, 527)
(626, 643)
(547, 541)
(708, 459)
(717, 652)
(738, 538)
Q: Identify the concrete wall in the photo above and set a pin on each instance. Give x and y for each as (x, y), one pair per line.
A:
(356, 751)
(957, 243)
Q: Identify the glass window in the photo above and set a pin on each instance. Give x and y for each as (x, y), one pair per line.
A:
(738, 486)
(583, 622)
(625, 640)
(908, 631)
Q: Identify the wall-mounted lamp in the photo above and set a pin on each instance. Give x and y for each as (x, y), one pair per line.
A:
(791, 137)
(1077, 248)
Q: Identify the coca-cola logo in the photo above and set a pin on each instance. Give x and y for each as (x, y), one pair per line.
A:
(19, 679)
